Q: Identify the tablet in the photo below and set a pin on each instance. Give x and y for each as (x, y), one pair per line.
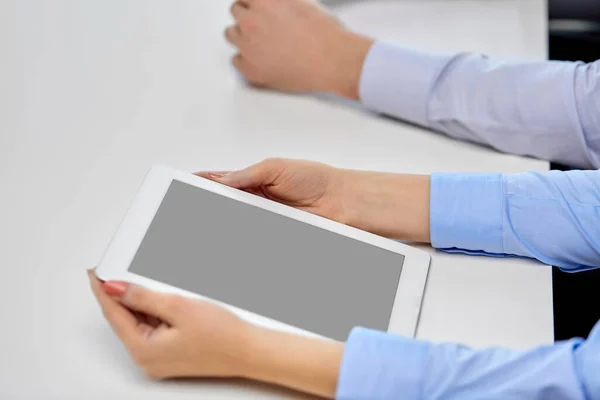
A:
(271, 264)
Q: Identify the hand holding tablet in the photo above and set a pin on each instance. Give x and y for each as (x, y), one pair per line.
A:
(274, 265)
(166, 329)
(201, 339)
(278, 283)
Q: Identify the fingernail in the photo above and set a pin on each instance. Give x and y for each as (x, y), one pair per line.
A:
(215, 175)
(115, 288)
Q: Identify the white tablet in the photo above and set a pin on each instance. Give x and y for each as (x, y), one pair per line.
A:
(271, 264)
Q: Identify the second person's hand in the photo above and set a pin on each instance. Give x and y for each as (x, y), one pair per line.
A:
(296, 46)
(390, 205)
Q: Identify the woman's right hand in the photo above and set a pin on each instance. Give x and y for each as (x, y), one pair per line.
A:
(390, 205)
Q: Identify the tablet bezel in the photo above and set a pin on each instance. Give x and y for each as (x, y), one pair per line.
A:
(133, 228)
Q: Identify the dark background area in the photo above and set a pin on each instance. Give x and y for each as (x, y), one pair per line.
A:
(574, 35)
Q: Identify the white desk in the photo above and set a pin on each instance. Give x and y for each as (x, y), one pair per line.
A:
(93, 93)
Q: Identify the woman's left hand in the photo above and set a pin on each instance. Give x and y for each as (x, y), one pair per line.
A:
(173, 336)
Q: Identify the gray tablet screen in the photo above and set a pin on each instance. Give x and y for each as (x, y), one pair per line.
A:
(269, 264)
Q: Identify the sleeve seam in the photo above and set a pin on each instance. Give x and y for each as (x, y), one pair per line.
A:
(574, 111)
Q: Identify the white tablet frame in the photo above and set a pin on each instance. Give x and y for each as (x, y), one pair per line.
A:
(131, 232)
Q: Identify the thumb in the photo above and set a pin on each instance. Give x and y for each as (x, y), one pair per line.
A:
(262, 174)
(166, 307)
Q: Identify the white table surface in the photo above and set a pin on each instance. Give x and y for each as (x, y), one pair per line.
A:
(93, 93)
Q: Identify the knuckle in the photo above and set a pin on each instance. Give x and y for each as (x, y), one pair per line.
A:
(247, 25)
(236, 61)
(274, 162)
(230, 33)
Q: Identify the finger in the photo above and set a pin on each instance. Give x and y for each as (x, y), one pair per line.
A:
(244, 3)
(212, 175)
(238, 10)
(163, 306)
(239, 63)
(122, 321)
(262, 174)
(216, 175)
(233, 35)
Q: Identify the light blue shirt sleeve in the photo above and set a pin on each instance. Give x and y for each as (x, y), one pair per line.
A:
(380, 366)
(553, 216)
(549, 110)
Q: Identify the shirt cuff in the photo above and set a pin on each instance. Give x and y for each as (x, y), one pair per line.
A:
(466, 212)
(377, 366)
(397, 81)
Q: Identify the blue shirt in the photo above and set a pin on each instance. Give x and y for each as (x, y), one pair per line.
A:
(549, 110)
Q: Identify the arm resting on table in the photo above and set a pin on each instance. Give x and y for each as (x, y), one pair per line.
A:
(553, 217)
(379, 366)
(549, 110)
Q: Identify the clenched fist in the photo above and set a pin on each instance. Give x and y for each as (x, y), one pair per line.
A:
(296, 46)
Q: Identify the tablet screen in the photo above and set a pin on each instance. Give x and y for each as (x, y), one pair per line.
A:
(269, 264)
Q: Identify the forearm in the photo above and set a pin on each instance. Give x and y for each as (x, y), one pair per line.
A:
(543, 109)
(380, 366)
(517, 214)
(296, 362)
(390, 205)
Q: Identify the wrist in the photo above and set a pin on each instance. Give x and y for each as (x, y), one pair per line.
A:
(349, 52)
(297, 362)
(252, 350)
(246, 349)
(390, 205)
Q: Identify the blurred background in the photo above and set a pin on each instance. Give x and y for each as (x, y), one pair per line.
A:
(574, 30)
